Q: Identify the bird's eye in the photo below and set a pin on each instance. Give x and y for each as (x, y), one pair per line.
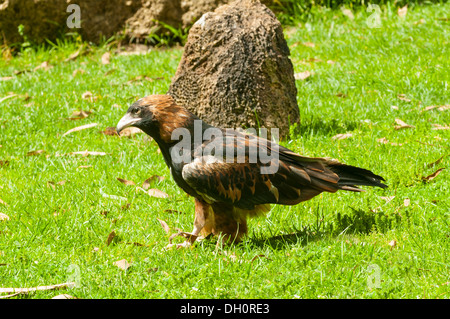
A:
(136, 110)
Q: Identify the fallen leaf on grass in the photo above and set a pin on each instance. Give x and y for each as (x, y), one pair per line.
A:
(3, 217)
(64, 296)
(79, 128)
(87, 153)
(402, 125)
(392, 244)
(112, 196)
(384, 140)
(403, 97)
(16, 291)
(125, 182)
(432, 176)
(79, 115)
(402, 11)
(164, 225)
(440, 127)
(84, 166)
(439, 107)
(130, 131)
(153, 192)
(44, 65)
(88, 96)
(302, 75)
(6, 78)
(348, 13)
(110, 238)
(148, 181)
(406, 202)
(11, 95)
(342, 95)
(106, 58)
(437, 161)
(122, 264)
(309, 44)
(33, 153)
(342, 136)
(111, 131)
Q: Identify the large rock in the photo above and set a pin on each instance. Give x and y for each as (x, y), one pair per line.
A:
(137, 19)
(236, 71)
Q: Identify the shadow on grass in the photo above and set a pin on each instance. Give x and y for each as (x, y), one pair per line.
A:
(297, 237)
(318, 126)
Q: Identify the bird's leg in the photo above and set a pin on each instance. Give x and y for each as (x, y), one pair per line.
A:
(228, 224)
(203, 222)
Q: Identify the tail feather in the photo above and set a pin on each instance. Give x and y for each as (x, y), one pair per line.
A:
(349, 176)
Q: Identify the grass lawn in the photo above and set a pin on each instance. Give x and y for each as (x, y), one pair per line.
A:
(391, 243)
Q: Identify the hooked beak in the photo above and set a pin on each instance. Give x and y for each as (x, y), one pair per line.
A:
(125, 122)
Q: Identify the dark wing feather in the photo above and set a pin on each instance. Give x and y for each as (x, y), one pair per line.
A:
(244, 185)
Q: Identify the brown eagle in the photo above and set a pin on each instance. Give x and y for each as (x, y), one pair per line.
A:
(233, 175)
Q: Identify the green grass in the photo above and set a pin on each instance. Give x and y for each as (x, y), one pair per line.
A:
(322, 248)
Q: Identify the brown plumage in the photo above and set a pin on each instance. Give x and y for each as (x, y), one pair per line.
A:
(225, 172)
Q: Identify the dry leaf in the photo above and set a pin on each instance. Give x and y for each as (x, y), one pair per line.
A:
(8, 97)
(78, 115)
(122, 264)
(88, 96)
(64, 296)
(110, 237)
(51, 184)
(38, 288)
(44, 65)
(3, 217)
(74, 55)
(111, 196)
(84, 166)
(392, 243)
(331, 62)
(439, 107)
(125, 182)
(432, 176)
(406, 202)
(382, 140)
(148, 181)
(436, 162)
(401, 125)
(340, 94)
(440, 127)
(33, 153)
(403, 97)
(164, 225)
(79, 128)
(309, 44)
(87, 153)
(402, 11)
(130, 131)
(302, 75)
(153, 192)
(110, 131)
(348, 13)
(6, 78)
(342, 136)
(106, 58)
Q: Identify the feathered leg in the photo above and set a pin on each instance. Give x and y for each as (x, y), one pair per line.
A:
(203, 224)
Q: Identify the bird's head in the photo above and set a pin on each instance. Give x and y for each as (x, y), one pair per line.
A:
(156, 115)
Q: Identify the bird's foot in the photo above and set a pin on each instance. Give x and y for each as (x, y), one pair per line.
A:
(190, 239)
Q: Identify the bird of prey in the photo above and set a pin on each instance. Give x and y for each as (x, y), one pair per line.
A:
(226, 172)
